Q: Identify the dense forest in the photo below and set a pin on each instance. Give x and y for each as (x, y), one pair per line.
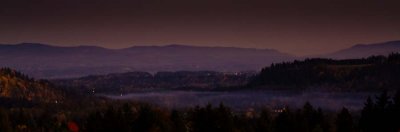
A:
(374, 73)
(138, 81)
(381, 114)
(15, 85)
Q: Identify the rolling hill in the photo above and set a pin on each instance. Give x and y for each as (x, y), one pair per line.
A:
(374, 73)
(143, 81)
(49, 62)
(45, 61)
(365, 50)
(17, 86)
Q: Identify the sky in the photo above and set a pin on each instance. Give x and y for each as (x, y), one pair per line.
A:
(299, 27)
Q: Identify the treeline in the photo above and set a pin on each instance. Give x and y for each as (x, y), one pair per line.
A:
(381, 114)
(134, 81)
(17, 86)
(372, 73)
(5, 71)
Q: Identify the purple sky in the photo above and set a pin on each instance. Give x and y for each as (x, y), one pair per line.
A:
(300, 27)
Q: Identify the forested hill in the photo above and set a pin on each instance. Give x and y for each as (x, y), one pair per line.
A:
(133, 81)
(372, 73)
(364, 50)
(17, 86)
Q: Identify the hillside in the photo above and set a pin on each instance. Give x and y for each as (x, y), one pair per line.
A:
(49, 62)
(365, 50)
(45, 61)
(371, 74)
(141, 81)
(16, 86)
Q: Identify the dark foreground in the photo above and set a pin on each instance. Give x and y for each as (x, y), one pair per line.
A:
(380, 114)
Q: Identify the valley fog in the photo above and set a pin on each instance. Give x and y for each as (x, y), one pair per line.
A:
(245, 100)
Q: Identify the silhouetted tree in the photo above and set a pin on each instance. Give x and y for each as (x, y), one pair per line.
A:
(5, 124)
(94, 122)
(211, 119)
(368, 117)
(264, 122)
(394, 113)
(178, 122)
(382, 112)
(344, 121)
(284, 122)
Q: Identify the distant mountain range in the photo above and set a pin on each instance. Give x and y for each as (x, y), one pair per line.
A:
(365, 50)
(46, 61)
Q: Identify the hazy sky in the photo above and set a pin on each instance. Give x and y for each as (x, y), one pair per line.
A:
(300, 27)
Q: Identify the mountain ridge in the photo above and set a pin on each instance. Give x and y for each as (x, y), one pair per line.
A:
(365, 50)
(35, 45)
(47, 61)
